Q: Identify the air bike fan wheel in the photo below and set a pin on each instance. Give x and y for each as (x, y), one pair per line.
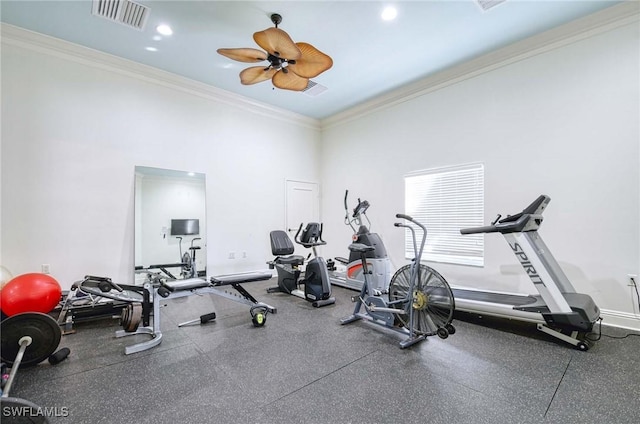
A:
(433, 304)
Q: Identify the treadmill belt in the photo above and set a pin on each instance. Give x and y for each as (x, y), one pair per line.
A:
(502, 298)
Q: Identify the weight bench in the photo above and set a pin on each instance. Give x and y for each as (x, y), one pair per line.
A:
(161, 267)
(157, 288)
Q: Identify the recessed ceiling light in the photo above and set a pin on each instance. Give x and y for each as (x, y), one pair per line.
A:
(151, 49)
(164, 29)
(389, 13)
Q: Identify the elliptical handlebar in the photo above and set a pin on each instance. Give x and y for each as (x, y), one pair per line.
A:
(346, 207)
(358, 212)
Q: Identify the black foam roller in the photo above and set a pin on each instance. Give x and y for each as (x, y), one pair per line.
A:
(59, 356)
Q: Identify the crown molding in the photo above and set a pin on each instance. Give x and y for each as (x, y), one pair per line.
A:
(597, 23)
(19, 37)
(600, 22)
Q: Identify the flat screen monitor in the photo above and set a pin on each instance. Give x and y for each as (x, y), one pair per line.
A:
(185, 227)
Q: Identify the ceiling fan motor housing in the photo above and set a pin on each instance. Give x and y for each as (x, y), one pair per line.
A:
(276, 19)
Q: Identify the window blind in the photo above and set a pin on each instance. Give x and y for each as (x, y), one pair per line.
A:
(445, 200)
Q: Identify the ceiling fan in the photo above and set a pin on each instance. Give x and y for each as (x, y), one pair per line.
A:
(290, 64)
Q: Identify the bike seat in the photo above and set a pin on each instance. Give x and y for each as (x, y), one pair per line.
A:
(290, 260)
(360, 248)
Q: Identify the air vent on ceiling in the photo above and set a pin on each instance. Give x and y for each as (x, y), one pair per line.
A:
(125, 12)
(314, 89)
(488, 4)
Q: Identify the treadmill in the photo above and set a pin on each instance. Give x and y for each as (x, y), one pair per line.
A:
(556, 309)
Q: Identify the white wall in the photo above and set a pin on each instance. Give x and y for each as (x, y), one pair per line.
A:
(73, 131)
(564, 123)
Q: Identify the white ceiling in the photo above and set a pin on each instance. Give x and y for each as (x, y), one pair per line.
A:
(371, 56)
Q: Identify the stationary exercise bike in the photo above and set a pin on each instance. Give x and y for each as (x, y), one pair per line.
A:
(189, 267)
(378, 262)
(317, 287)
(420, 302)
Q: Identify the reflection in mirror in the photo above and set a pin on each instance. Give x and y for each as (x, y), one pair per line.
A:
(170, 227)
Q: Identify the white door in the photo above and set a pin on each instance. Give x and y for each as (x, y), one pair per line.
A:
(303, 206)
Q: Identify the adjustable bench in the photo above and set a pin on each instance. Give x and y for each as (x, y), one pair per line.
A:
(157, 288)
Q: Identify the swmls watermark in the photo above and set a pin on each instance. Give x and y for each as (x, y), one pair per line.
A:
(16, 411)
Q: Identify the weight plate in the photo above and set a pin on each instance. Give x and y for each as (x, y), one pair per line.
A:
(131, 317)
(43, 330)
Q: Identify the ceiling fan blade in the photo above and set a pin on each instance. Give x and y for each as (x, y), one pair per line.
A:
(278, 43)
(256, 74)
(290, 81)
(312, 62)
(244, 54)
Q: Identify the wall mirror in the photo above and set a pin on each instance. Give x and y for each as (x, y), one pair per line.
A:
(170, 228)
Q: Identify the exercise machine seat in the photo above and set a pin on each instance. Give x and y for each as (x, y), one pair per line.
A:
(282, 247)
(360, 248)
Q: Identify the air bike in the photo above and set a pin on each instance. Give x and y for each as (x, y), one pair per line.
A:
(557, 310)
(420, 302)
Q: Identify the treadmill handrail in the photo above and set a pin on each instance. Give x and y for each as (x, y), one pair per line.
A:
(528, 220)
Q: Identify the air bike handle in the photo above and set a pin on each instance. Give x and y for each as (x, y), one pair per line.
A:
(410, 219)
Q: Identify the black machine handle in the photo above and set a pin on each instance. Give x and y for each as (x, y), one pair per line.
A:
(104, 283)
(410, 219)
(318, 242)
(418, 252)
(476, 230)
(515, 223)
(403, 216)
(360, 209)
(346, 207)
(297, 240)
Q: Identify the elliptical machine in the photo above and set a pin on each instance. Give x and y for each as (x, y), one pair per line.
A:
(317, 286)
(378, 263)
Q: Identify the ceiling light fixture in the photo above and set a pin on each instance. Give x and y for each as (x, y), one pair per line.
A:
(164, 29)
(151, 49)
(389, 13)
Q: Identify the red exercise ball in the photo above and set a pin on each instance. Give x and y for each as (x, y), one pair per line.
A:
(32, 292)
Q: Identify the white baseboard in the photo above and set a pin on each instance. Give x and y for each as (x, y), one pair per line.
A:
(620, 319)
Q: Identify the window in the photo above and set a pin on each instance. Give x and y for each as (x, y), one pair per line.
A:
(445, 200)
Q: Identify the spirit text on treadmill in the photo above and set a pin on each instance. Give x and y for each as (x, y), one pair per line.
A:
(526, 264)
